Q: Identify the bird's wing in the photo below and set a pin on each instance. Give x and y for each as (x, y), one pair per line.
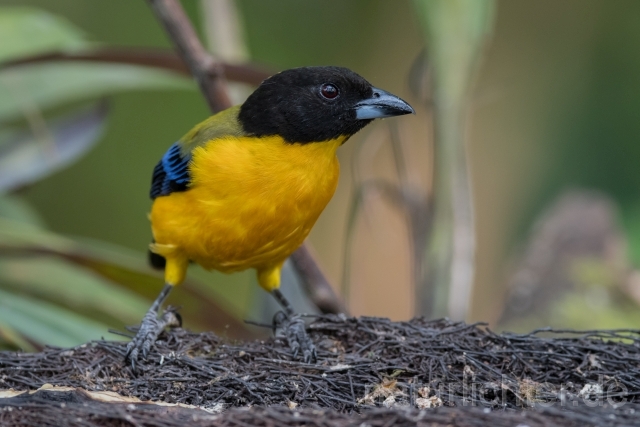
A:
(172, 173)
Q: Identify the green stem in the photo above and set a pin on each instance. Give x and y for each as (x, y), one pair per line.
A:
(456, 32)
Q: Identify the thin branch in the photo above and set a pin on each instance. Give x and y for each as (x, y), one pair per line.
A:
(159, 58)
(209, 73)
(316, 284)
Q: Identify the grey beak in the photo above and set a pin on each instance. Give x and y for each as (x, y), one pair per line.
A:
(381, 104)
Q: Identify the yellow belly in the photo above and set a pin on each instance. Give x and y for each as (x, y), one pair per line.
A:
(251, 203)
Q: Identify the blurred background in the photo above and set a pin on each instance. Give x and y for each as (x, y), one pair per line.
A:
(511, 197)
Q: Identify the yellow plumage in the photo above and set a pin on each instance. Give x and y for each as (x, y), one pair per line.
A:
(243, 188)
(251, 203)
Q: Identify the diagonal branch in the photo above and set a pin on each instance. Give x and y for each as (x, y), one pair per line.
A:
(205, 69)
(209, 74)
(315, 283)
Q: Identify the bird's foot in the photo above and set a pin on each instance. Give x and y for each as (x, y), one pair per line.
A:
(292, 328)
(148, 332)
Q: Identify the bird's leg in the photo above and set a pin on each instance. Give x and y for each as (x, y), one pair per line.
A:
(151, 327)
(294, 330)
(284, 303)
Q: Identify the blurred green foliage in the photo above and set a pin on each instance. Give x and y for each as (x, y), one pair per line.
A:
(596, 302)
(28, 31)
(50, 84)
(56, 290)
(589, 107)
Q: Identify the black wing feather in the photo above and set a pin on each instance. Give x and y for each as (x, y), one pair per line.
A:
(171, 174)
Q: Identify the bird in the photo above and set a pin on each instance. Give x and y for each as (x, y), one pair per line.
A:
(243, 188)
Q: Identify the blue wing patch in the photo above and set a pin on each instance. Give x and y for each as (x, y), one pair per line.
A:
(171, 174)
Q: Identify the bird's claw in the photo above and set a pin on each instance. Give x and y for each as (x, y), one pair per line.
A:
(292, 327)
(148, 332)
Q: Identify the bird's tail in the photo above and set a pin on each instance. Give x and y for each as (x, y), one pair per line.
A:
(157, 261)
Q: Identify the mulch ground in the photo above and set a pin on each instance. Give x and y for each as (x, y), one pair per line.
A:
(370, 372)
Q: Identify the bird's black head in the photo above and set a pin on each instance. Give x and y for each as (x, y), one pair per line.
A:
(314, 104)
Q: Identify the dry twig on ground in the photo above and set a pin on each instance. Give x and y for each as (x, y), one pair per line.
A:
(363, 364)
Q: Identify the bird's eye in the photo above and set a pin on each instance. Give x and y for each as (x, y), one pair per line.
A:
(329, 91)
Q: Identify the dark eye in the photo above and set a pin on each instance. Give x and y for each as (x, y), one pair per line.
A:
(329, 91)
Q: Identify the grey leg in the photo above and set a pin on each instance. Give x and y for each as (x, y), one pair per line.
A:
(294, 330)
(151, 327)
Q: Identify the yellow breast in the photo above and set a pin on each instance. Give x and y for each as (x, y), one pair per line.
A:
(251, 202)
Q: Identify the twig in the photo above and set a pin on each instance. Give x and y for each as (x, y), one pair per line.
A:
(209, 74)
(315, 282)
(463, 366)
(159, 58)
(205, 69)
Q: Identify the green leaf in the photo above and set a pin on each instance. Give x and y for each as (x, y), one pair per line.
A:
(14, 208)
(27, 31)
(36, 87)
(26, 266)
(27, 156)
(115, 264)
(76, 288)
(11, 337)
(46, 323)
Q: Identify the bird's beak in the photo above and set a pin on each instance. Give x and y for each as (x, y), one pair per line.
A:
(381, 104)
